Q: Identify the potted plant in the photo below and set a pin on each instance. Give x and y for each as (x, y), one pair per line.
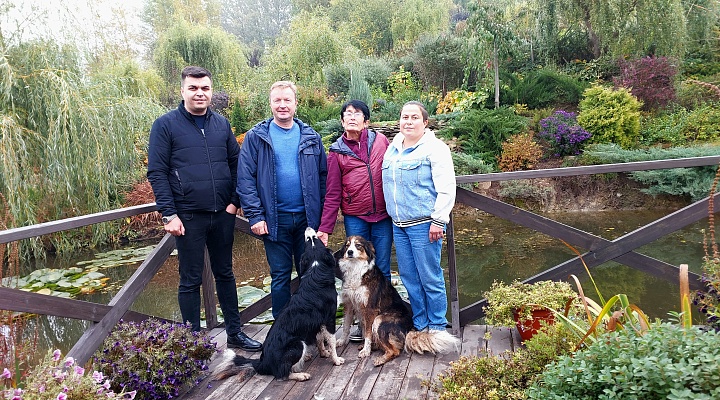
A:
(525, 305)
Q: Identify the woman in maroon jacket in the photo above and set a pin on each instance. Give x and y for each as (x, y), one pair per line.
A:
(354, 184)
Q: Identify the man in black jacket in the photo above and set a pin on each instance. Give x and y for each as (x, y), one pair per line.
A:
(192, 167)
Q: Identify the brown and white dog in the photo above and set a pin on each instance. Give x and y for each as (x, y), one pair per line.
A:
(385, 317)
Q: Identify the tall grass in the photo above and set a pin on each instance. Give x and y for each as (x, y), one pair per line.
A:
(70, 144)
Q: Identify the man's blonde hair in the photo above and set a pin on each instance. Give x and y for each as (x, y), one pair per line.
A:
(283, 85)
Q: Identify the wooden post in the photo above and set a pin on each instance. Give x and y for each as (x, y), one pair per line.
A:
(452, 271)
(208, 294)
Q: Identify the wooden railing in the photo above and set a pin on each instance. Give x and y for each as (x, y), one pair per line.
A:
(599, 250)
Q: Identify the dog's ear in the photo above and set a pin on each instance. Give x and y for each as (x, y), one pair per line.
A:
(370, 249)
(340, 253)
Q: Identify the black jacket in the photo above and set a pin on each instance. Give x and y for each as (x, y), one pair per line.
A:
(190, 171)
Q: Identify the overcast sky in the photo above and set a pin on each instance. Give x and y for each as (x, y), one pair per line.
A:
(67, 18)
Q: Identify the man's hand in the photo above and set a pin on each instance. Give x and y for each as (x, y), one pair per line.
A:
(231, 209)
(260, 228)
(175, 227)
(323, 237)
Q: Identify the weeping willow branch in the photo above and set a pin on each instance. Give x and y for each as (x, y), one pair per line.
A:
(69, 144)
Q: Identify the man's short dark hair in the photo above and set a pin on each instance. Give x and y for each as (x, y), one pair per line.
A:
(195, 72)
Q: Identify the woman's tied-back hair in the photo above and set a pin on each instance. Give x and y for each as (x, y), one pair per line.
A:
(420, 105)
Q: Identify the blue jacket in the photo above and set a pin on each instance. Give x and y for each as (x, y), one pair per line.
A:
(257, 186)
(192, 171)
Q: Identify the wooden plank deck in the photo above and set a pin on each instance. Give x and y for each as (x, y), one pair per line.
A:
(401, 378)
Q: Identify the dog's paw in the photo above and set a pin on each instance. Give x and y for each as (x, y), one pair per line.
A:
(299, 376)
(308, 356)
(378, 361)
(339, 361)
(364, 352)
(324, 353)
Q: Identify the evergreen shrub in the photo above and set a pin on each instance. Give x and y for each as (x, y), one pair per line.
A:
(482, 132)
(544, 88)
(693, 182)
(667, 362)
(611, 116)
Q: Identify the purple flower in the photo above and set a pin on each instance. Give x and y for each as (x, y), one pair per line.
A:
(69, 362)
(61, 396)
(79, 370)
(6, 374)
(56, 355)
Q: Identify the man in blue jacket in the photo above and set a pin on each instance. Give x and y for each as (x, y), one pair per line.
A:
(192, 167)
(281, 183)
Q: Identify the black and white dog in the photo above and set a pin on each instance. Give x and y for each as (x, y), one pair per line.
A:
(308, 318)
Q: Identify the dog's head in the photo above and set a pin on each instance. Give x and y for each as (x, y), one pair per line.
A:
(358, 248)
(315, 253)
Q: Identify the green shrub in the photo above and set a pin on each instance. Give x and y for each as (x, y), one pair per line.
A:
(664, 128)
(505, 376)
(703, 124)
(482, 132)
(692, 93)
(466, 164)
(359, 88)
(694, 182)
(611, 116)
(667, 362)
(543, 88)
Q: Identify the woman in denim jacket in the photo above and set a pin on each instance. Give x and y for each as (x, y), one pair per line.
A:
(419, 186)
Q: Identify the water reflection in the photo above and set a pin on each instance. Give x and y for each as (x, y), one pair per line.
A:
(487, 249)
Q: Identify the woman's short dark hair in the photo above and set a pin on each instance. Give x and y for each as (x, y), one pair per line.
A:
(358, 105)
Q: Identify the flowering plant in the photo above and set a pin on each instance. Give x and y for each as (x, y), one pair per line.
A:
(158, 359)
(57, 379)
(563, 133)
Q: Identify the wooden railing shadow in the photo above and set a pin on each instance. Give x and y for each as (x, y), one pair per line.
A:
(599, 250)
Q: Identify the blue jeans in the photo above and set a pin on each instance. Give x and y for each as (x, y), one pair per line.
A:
(282, 254)
(379, 233)
(217, 232)
(419, 266)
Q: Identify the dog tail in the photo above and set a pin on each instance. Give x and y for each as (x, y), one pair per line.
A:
(434, 341)
(232, 364)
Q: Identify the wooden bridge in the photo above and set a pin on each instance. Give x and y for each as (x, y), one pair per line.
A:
(361, 381)
(406, 377)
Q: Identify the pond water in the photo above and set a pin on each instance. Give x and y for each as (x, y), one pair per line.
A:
(487, 249)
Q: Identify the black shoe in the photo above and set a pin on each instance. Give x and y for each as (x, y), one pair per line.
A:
(356, 336)
(241, 341)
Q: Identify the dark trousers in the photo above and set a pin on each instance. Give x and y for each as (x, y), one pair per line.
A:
(282, 254)
(217, 232)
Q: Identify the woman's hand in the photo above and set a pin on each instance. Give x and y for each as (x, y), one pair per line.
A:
(323, 237)
(436, 233)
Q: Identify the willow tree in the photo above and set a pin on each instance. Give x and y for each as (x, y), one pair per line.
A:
(419, 17)
(627, 27)
(70, 144)
(205, 46)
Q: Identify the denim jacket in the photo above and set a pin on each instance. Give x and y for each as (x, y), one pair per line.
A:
(419, 182)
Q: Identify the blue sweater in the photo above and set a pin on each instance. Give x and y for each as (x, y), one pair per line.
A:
(257, 182)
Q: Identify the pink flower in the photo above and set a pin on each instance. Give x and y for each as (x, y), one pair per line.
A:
(130, 395)
(79, 370)
(98, 376)
(56, 355)
(69, 362)
(6, 374)
(61, 396)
